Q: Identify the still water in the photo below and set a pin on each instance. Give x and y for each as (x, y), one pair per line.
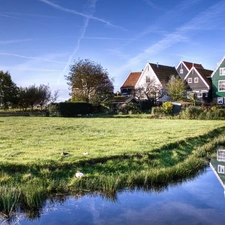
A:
(194, 202)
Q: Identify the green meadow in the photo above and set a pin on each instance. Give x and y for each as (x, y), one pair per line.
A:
(122, 152)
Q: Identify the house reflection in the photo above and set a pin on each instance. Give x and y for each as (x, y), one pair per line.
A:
(218, 166)
(221, 159)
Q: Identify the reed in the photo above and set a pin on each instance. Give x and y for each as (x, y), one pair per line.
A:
(9, 199)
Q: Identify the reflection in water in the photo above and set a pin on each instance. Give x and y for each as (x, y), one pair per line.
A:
(197, 201)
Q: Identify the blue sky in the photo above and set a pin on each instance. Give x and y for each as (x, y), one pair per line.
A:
(40, 39)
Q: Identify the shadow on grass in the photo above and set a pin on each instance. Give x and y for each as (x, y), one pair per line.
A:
(26, 187)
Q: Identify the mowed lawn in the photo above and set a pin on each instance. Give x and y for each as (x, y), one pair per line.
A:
(26, 140)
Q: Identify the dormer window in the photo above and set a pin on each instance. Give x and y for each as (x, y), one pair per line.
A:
(196, 80)
(189, 80)
(222, 71)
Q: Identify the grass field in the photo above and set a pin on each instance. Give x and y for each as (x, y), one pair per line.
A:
(37, 139)
(122, 152)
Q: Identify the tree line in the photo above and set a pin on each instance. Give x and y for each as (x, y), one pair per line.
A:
(23, 97)
(89, 82)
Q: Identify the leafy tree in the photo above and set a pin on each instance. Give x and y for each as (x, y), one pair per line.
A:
(34, 95)
(176, 88)
(8, 90)
(44, 95)
(89, 82)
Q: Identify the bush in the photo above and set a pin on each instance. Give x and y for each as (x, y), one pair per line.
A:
(191, 112)
(167, 108)
(157, 111)
(129, 108)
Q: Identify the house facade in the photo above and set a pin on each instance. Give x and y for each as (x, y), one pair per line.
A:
(184, 67)
(199, 82)
(156, 75)
(153, 74)
(129, 85)
(218, 83)
(207, 85)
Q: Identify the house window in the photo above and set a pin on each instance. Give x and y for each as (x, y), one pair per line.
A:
(181, 71)
(220, 100)
(222, 71)
(147, 79)
(221, 155)
(221, 85)
(196, 80)
(221, 169)
(189, 80)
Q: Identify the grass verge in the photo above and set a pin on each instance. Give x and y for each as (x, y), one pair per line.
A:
(122, 153)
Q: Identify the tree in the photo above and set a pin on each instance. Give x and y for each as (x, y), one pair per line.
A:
(152, 90)
(34, 95)
(8, 90)
(89, 82)
(176, 88)
(44, 95)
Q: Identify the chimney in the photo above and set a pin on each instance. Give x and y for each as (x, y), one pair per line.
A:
(157, 65)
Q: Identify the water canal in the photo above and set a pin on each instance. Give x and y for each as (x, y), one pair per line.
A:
(197, 201)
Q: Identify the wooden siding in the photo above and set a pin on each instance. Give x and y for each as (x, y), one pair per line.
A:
(185, 71)
(196, 86)
(215, 79)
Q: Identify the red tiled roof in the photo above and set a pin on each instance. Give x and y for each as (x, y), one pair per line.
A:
(189, 65)
(131, 79)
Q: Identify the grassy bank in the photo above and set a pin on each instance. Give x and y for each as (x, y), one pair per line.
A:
(122, 152)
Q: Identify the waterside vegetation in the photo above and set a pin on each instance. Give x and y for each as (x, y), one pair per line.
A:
(120, 153)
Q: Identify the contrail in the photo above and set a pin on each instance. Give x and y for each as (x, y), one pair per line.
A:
(86, 22)
(27, 57)
(80, 14)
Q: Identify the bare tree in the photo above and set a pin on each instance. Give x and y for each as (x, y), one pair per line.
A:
(151, 90)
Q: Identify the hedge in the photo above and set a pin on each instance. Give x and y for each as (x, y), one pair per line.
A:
(72, 109)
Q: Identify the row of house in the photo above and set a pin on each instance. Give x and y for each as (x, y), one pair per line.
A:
(207, 85)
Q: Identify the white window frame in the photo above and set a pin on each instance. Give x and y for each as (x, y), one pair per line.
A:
(221, 155)
(189, 80)
(222, 71)
(220, 100)
(181, 71)
(223, 84)
(196, 80)
(147, 79)
(221, 169)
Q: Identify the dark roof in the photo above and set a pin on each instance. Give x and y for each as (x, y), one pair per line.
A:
(131, 80)
(206, 75)
(163, 73)
(189, 65)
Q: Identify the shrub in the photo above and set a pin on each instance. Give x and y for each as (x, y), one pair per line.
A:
(71, 109)
(157, 111)
(167, 108)
(191, 112)
(129, 108)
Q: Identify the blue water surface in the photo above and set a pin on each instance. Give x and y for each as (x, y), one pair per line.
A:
(194, 202)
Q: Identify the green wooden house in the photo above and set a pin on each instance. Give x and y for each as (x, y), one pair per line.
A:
(218, 83)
